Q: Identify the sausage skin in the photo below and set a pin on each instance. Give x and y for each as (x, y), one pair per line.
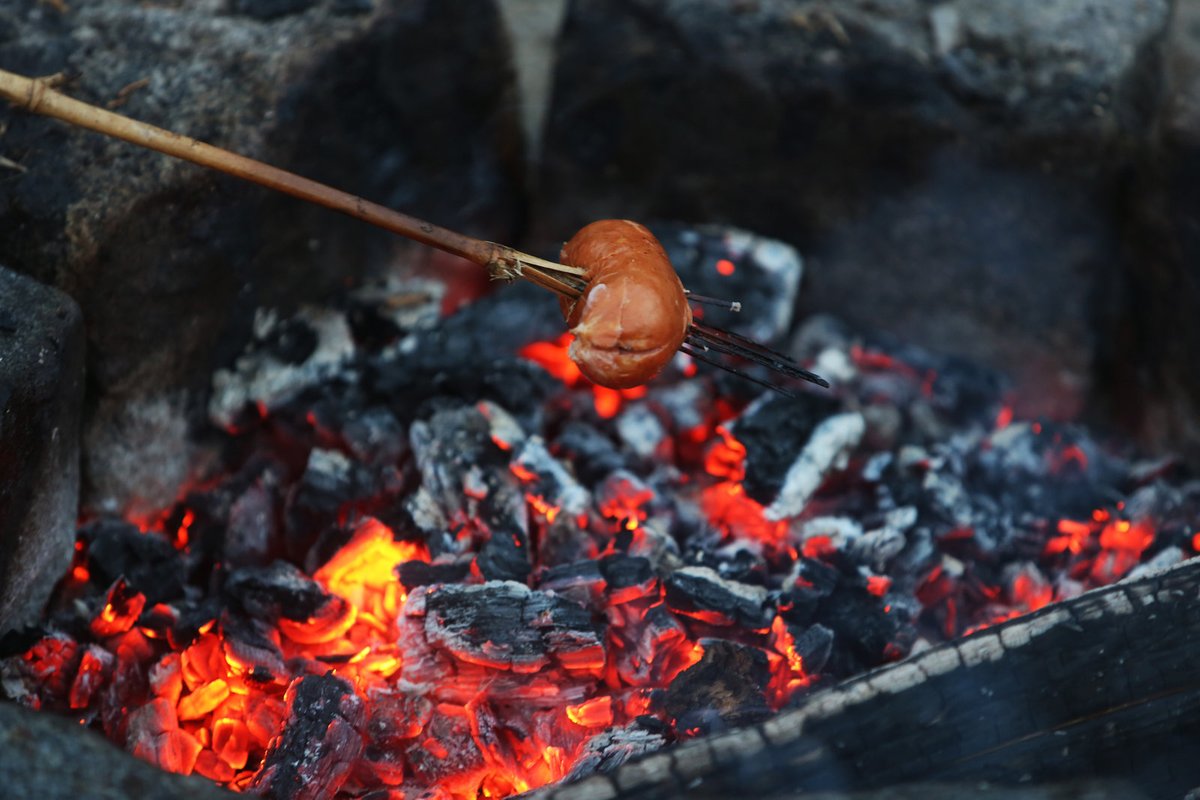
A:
(633, 314)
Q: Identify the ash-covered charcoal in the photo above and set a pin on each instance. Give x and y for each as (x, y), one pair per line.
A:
(701, 593)
(506, 625)
(250, 532)
(580, 582)
(729, 264)
(606, 751)
(278, 590)
(374, 436)
(445, 752)
(285, 358)
(321, 741)
(775, 431)
(149, 564)
(549, 479)
(454, 452)
(642, 432)
(722, 690)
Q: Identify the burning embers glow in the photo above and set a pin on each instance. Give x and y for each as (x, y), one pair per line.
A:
(515, 625)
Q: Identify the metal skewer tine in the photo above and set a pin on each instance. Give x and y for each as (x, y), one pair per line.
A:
(728, 305)
(734, 371)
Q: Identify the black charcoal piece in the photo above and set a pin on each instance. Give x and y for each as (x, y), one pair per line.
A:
(814, 646)
(249, 642)
(700, 589)
(375, 436)
(251, 530)
(774, 433)
(278, 590)
(593, 454)
(421, 573)
(864, 631)
(321, 741)
(148, 562)
(507, 625)
(722, 690)
(624, 572)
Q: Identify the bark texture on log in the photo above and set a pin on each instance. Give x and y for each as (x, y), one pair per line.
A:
(1103, 685)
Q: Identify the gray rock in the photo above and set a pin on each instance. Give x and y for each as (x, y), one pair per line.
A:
(951, 172)
(407, 103)
(51, 758)
(41, 391)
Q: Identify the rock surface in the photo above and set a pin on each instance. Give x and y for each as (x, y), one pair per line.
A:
(407, 103)
(41, 391)
(951, 172)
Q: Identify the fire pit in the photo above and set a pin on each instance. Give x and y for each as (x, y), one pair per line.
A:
(412, 552)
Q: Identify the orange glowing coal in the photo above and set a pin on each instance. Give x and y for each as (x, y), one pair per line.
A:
(554, 358)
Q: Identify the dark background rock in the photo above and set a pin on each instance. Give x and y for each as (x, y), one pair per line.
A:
(41, 393)
(49, 757)
(408, 103)
(1154, 361)
(952, 173)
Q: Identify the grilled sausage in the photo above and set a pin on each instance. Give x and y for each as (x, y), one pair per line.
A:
(633, 314)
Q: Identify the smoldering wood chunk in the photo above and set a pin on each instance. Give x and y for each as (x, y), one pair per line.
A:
(507, 625)
(278, 590)
(701, 592)
(722, 690)
(250, 643)
(606, 751)
(774, 433)
(395, 717)
(149, 564)
(444, 750)
(321, 741)
(867, 635)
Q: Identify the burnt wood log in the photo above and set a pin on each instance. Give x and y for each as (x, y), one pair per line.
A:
(1103, 685)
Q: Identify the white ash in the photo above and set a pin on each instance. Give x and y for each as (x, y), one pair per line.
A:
(504, 428)
(831, 441)
(259, 377)
(640, 429)
(878, 547)
(408, 303)
(840, 531)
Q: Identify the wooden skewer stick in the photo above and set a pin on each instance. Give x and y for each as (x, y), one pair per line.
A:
(501, 261)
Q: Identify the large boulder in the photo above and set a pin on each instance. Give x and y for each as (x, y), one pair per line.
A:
(41, 392)
(952, 171)
(407, 102)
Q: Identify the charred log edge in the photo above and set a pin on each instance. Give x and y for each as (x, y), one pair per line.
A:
(787, 741)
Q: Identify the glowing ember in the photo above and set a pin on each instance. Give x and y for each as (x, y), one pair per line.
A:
(554, 358)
